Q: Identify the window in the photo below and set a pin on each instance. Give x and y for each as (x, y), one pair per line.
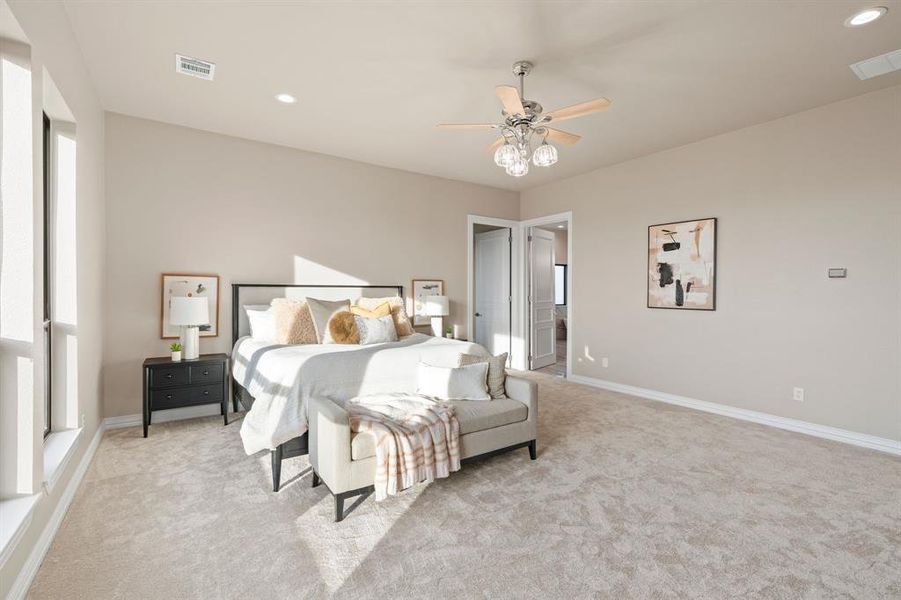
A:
(560, 285)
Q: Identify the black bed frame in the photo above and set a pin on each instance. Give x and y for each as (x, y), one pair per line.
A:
(300, 445)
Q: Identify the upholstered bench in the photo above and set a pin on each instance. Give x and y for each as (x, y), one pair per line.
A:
(345, 461)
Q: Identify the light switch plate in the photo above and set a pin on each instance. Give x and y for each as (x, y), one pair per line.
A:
(838, 273)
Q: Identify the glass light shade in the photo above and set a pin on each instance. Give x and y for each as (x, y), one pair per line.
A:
(545, 155)
(518, 168)
(505, 155)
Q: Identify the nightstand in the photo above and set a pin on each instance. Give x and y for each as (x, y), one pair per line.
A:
(168, 384)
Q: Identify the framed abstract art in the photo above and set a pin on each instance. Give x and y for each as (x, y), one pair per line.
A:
(682, 265)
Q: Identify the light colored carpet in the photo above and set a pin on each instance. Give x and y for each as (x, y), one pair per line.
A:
(628, 498)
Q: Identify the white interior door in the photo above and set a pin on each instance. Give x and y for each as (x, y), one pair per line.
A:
(492, 290)
(542, 325)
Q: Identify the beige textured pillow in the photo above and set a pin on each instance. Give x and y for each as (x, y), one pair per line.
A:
(343, 328)
(398, 312)
(322, 312)
(497, 373)
(293, 322)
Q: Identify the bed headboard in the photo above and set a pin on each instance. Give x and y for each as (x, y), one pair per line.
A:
(244, 294)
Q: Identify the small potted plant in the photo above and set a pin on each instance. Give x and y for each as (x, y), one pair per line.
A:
(175, 347)
(449, 332)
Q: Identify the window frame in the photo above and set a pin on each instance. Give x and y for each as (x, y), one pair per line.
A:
(47, 303)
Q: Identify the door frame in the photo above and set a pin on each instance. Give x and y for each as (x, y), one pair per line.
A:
(523, 267)
(518, 346)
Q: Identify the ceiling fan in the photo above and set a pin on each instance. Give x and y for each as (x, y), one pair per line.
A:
(526, 124)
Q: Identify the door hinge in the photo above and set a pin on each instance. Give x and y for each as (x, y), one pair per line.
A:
(530, 238)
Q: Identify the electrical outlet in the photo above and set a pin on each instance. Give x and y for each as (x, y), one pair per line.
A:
(605, 363)
(798, 394)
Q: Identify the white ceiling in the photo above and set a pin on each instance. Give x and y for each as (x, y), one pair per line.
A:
(373, 79)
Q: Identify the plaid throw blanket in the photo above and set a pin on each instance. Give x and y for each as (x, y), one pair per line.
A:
(416, 439)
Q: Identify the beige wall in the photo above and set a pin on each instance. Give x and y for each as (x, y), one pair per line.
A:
(182, 200)
(561, 239)
(793, 196)
(54, 47)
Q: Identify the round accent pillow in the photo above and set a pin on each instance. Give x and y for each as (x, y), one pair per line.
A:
(343, 328)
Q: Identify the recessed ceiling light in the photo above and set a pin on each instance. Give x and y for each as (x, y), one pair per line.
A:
(286, 98)
(867, 15)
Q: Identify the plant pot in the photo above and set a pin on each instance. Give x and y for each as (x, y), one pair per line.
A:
(449, 336)
(176, 356)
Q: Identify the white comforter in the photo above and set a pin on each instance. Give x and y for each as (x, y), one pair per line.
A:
(282, 378)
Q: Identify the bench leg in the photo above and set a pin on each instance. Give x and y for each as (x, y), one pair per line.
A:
(339, 508)
(533, 450)
(276, 468)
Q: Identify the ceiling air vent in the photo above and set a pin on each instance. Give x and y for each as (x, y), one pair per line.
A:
(878, 65)
(194, 67)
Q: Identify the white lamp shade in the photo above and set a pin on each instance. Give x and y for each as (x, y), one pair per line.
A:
(437, 306)
(189, 311)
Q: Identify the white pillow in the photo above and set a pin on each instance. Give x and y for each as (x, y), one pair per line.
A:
(376, 331)
(461, 383)
(262, 322)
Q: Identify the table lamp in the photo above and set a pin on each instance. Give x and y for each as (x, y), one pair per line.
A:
(437, 307)
(189, 313)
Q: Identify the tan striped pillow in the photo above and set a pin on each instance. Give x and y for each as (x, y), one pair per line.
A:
(497, 373)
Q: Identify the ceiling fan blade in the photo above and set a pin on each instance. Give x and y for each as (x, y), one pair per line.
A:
(562, 137)
(466, 126)
(492, 148)
(578, 110)
(509, 97)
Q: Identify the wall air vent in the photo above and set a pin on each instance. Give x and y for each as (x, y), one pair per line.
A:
(878, 65)
(194, 67)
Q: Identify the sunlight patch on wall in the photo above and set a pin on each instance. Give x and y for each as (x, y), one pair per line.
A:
(310, 272)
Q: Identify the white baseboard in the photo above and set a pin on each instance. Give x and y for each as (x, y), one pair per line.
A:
(821, 431)
(23, 581)
(163, 416)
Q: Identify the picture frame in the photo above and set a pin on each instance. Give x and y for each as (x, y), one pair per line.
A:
(422, 288)
(189, 284)
(682, 265)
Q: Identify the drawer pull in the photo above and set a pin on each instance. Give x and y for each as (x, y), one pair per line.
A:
(168, 375)
(168, 396)
(206, 372)
(206, 392)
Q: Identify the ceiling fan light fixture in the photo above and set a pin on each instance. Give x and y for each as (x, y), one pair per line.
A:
(505, 155)
(524, 124)
(518, 168)
(545, 155)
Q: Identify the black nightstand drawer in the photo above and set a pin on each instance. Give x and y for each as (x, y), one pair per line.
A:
(168, 384)
(206, 393)
(168, 376)
(206, 373)
(163, 399)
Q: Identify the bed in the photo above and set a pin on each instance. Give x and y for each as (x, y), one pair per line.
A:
(274, 382)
